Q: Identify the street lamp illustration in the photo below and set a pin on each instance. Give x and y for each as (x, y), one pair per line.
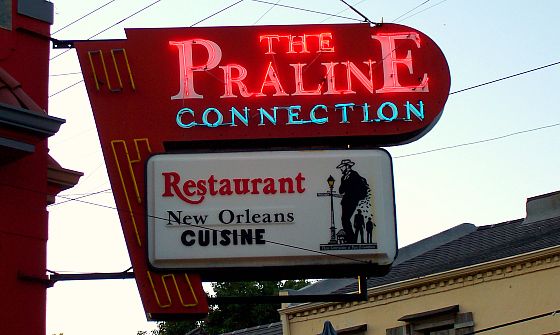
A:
(330, 181)
(331, 194)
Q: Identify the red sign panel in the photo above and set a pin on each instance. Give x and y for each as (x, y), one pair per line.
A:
(387, 84)
(267, 85)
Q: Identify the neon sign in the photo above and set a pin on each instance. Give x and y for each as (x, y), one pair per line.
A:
(391, 82)
(380, 85)
(269, 86)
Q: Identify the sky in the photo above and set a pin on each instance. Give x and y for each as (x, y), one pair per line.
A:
(495, 145)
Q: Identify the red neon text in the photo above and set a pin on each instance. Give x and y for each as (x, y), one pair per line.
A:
(235, 74)
(390, 62)
(324, 41)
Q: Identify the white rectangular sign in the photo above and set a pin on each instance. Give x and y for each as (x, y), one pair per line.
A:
(285, 210)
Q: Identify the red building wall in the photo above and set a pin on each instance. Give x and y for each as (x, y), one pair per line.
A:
(24, 129)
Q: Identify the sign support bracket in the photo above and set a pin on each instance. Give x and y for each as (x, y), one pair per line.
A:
(360, 295)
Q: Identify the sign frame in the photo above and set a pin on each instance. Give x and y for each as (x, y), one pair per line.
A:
(352, 268)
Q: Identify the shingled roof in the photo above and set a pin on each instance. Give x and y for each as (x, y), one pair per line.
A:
(269, 329)
(486, 243)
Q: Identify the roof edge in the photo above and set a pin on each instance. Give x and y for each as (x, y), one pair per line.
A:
(420, 281)
(25, 119)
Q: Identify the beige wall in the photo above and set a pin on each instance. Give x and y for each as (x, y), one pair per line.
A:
(495, 293)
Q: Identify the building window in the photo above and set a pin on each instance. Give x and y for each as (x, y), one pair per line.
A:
(442, 321)
(6, 14)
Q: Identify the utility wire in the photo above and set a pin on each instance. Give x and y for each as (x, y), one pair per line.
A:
(420, 5)
(126, 18)
(64, 89)
(113, 25)
(357, 12)
(480, 141)
(534, 317)
(344, 10)
(504, 78)
(269, 9)
(308, 10)
(64, 74)
(79, 197)
(218, 12)
(423, 10)
(83, 17)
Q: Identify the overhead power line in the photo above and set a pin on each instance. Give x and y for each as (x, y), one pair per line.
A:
(64, 89)
(418, 6)
(113, 25)
(216, 13)
(423, 10)
(83, 17)
(530, 318)
(480, 141)
(79, 197)
(64, 74)
(504, 78)
(357, 12)
(308, 10)
(268, 10)
(344, 10)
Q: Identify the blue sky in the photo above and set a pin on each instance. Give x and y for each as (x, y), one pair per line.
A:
(483, 183)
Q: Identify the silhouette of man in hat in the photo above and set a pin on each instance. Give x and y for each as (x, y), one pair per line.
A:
(353, 189)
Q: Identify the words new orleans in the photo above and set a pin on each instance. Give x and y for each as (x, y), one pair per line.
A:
(194, 192)
(254, 105)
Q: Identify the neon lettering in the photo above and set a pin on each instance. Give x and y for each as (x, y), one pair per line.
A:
(293, 42)
(179, 118)
(229, 80)
(320, 120)
(236, 114)
(293, 115)
(219, 117)
(330, 79)
(419, 113)
(325, 40)
(382, 116)
(390, 63)
(263, 113)
(352, 69)
(187, 67)
(269, 39)
(298, 76)
(271, 79)
(343, 108)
